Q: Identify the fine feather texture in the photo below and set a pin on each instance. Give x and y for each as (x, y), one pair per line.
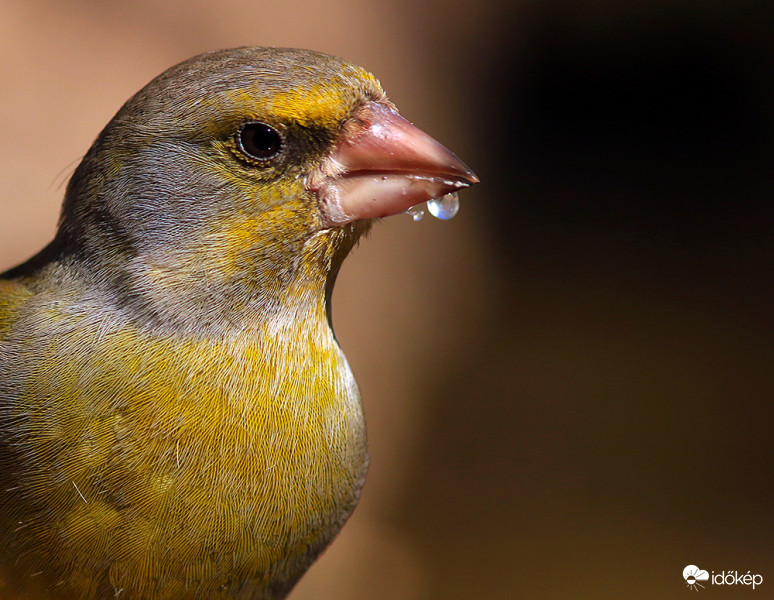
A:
(171, 462)
(177, 419)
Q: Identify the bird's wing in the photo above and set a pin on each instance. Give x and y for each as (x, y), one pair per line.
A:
(13, 294)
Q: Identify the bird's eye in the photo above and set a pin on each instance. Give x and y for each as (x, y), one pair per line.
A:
(259, 141)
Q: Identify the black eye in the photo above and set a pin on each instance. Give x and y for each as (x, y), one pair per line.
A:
(259, 141)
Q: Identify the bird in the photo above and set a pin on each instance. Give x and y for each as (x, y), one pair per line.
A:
(177, 418)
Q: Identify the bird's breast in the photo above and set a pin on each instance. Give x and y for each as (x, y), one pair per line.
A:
(167, 462)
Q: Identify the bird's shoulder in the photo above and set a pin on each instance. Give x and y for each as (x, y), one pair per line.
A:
(13, 295)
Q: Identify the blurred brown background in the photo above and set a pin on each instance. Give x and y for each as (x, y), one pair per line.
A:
(569, 386)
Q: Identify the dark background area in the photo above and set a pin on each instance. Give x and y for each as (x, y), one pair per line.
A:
(569, 386)
(613, 419)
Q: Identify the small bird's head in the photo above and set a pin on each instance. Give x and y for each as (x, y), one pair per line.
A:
(250, 168)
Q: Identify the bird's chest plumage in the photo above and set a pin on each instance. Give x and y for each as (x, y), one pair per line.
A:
(218, 465)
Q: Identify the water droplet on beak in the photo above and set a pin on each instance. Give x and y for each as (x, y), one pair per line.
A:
(444, 207)
(416, 213)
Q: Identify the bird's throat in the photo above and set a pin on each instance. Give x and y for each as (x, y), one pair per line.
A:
(246, 270)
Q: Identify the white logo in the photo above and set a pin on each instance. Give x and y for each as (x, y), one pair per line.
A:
(693, 575)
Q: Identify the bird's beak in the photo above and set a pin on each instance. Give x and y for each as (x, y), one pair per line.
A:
(384, 165)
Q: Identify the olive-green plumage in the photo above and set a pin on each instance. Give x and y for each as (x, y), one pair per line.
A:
(177, 419)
